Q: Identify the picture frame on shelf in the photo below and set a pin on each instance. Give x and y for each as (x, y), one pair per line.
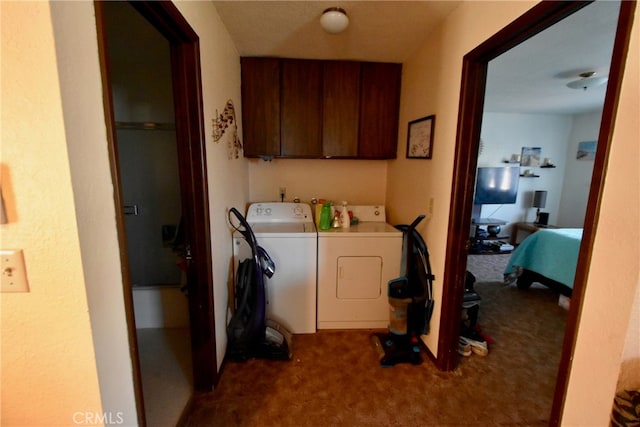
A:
(420, 138)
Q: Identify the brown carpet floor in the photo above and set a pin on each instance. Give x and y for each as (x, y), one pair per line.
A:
(335, 378)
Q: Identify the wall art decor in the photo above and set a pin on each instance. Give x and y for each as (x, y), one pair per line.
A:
(420, 138)
(530, 156)
(220, 124)
(586, 150)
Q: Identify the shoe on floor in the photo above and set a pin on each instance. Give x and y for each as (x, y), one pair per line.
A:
(478, 347)
(464, 349)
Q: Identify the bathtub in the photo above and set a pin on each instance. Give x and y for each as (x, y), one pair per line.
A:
(162, 306)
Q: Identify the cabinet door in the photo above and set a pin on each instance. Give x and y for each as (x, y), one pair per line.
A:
(261, 106)
(301, 108)
(341, 103)
(379, 108)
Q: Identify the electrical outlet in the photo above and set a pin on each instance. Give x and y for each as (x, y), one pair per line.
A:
(14, 273)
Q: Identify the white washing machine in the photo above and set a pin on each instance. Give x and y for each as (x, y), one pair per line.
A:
(354, 266)
(288, 234)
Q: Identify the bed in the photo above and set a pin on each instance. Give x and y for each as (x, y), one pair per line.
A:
(549, 257)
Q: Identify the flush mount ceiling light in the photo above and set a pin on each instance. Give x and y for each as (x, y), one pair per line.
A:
(334, 20)
(587, 79)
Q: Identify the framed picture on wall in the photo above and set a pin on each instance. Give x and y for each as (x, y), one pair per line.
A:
(586, 150)
(420, 138)
(530, 156)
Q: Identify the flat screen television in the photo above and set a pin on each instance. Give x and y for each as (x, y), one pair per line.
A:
(496, 185)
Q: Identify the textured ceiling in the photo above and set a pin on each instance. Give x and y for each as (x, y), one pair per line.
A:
(531, 78)
(385, 31)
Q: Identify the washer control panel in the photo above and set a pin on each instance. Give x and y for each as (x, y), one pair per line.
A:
(279, 212)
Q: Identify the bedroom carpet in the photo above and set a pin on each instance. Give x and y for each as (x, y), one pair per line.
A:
(335, 378)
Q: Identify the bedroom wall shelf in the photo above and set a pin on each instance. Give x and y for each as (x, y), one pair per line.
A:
(509, 162)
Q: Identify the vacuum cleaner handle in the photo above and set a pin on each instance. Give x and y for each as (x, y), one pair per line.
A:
(244, 229)
(408, 242)
(260, 255)
(416, 221)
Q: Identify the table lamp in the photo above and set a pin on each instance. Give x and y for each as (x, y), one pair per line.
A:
(539, 201)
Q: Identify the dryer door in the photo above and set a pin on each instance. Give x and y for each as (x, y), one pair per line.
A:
(359, 277)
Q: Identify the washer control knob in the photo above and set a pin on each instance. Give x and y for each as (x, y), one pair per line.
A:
(267, 211)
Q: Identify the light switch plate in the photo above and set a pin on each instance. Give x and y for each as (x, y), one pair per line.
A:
(14, 272)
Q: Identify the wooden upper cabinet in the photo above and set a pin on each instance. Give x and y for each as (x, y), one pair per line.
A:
(341, 104)
(261, 106)
(301, 108)
(379, 109)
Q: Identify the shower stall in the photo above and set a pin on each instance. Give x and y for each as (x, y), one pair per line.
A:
(151, 196)
(143, 106)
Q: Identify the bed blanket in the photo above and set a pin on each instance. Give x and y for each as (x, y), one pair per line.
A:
(550, 252)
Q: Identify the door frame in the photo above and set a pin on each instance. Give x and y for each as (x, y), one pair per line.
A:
(474, 74)
(189, 117)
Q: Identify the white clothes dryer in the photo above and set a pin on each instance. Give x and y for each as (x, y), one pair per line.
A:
(288, 234)
(355, 265)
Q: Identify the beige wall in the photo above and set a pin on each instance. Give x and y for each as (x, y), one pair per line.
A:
(431, 85)
(614, 276)
(359, 182)
(49, 371)
(48, 356)
(76, 52)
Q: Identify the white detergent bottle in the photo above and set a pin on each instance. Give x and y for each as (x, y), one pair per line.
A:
(344, 216)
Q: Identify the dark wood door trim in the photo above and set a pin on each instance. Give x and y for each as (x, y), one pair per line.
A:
(605, 136)
(472, 92)
(185, 60)
(474, 74)
(187, 86)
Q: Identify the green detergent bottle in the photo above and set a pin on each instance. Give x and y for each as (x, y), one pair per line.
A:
(325, 216)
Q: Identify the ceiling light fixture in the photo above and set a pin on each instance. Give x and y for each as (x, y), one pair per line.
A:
(587, 79)
(334, 20)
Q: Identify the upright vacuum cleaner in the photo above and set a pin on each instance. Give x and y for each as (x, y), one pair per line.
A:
(410, 303)
(249, 333)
